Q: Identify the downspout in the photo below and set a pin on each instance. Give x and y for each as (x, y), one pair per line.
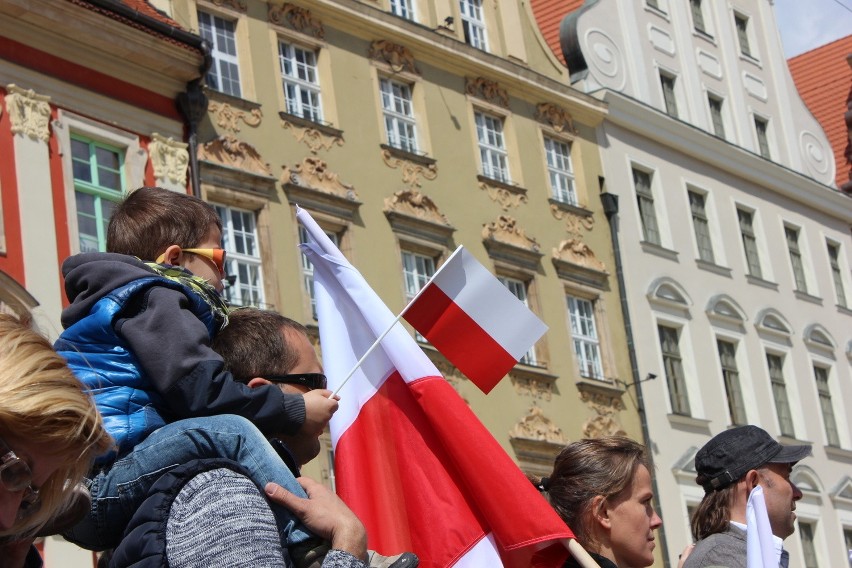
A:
(610, 206)
(192, 103)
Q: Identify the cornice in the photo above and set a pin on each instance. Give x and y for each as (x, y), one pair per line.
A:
(450, 54)
(646, 121)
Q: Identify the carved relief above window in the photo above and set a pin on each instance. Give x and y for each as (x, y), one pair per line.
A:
(313, 186)
(296, 18)
(487, 90)
(606, 407)
(575, 261)
(313, 135)
(413, 213)
(556, 117)
(29, 113)
(532, 382)
(398, 57)
(228, 118)
(505, 240)
(536, 441)
(413, 166)
(234, 153)
(169, 159)
(536, 426)
(239, 5)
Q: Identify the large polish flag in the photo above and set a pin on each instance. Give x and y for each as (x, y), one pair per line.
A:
(474, 320)
(411, 459)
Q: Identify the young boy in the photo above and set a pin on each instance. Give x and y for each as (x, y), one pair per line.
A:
(138, 335)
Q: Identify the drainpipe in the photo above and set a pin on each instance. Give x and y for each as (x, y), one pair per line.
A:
(193, 105)
(610, 206)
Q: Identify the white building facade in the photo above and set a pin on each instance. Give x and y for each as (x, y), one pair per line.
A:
(735, 247)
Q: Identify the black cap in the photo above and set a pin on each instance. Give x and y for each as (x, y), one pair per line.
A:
(731, 454)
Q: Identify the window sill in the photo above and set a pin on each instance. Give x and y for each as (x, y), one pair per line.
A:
(683, 422)
(609, 386)
(805, 297)
(659, 250)
(750, 59)
(714, 268)
(838, 454)
(657, 12)
(845, 310)
(421, 159)
(702, 34)
(305, 123)
(569, 208)
(761, 282)
(239, 102)
(508, 186)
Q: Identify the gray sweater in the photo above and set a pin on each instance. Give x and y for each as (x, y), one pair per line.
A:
(724, 550)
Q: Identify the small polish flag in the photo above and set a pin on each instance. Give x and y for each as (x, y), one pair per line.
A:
(474, 320)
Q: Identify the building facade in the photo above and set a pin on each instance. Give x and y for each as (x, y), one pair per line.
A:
(735, 245)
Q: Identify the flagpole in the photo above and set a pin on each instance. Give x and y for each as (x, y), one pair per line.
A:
(579, 553)
(390, 327)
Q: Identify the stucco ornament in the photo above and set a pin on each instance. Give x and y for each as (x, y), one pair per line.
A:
(487, 90)
(415, 204)
(557, 117)
(313, 173)
(606, 407)
(29, 113)
(577, 252)
(411, 171)
(297, 18)
(397, 56)
(228, 118)
(503, 196)
(169, 159)
(506, 230)
(311, 137)
(229, 151)
(536, 426)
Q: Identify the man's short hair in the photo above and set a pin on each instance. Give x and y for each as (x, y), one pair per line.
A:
(728, 456)
(151, 219)
(252, 344)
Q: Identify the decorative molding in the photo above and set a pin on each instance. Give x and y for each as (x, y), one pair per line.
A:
(536, 426)
(411, 170)
(576, 219)
(487, 90)
(29, 113)
(312, 185)
(231, 152)
(557, 117)
(505, 195)
(536, 385)
(239, 5)
(315, 136)
(227, 117)
(505, 230)
(606, 406)
(169, 159)
(415, 214)
(398, 57)
(575, 260)
(296, 18)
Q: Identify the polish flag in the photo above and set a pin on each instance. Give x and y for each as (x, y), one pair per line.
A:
(474, 320)
(411, 459)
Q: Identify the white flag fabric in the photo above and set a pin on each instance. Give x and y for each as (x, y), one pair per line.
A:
(411, 458)
(760, 545)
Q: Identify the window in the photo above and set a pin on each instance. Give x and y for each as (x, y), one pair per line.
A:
(308, 267)
(673, 366)
(560, 171)
(224, 74)
(519, 289)
(741, 23)
(98, 186)
(668, 83)
(417, 270)
(731, 378)
(792, 236)
(749, 242)
(398, 111)
(806, 530)
(492, 147)
(701, 227)
(715, 104)
(761, 128)
(239, 238)
(645, 199)
(301, 81)
(831, 434)
(697, 16)
(403, 8)
(847, 537)
(473, 22)
(653, 4)
(585, 337)
(836, 274)
(779, 394)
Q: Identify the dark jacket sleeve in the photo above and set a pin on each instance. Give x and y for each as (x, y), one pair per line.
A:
(173, 350)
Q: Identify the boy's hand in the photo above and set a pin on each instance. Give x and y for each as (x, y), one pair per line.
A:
(318, 411)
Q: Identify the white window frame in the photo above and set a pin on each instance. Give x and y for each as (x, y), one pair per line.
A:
(762, 136)
(246, 267)
(676, 385)
(302, 80)
(404, 9)
(793, 238)
(585, 337)
(711, 98)
(736, 404)
(825, 397)
(778, 385)
(745, 36)
(748, 236)
(473, 23)
(700, 219)
(491, 138)
(670, 102)
(398, 112)
(560, 170)
(222, 58)
(836, 266)
(646, 208)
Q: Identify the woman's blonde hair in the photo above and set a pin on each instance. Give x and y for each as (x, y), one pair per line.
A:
(42, 402)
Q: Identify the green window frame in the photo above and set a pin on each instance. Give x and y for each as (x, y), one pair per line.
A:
(99, 182)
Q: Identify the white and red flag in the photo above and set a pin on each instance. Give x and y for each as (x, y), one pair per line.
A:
(411, 458)
(474, 320)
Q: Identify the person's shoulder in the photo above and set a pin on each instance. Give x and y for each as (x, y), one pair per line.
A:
(720, 550)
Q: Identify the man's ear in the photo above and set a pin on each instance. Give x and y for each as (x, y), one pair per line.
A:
(752, 480)
(600, 511)
(171, 255)
(257, 382)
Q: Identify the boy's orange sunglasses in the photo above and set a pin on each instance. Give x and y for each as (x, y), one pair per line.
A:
(217, 255)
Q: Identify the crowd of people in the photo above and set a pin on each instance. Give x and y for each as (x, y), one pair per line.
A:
(164, 429)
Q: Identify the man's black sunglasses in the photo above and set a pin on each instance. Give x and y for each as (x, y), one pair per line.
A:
(310, 380)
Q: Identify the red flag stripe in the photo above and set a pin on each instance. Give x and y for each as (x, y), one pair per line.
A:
(479, 356)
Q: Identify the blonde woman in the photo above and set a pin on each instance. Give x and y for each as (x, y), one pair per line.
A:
(50, 431)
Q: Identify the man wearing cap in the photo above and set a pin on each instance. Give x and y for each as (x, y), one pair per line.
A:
(729, 466)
